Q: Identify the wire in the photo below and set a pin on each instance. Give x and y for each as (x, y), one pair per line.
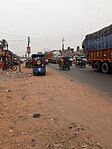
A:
(105, 17)
(99, 23)
(16, 43)
(17, 40)
(11, 34)
(5, 28)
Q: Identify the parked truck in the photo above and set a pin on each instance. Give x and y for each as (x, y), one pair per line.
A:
(98, 47)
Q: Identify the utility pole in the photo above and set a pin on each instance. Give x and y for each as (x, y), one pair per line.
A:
(28, 41)
(28, 47)
(63, 40)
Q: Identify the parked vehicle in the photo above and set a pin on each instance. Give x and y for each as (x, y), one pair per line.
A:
(98, 47)
(9, 65)
(38, 64)
(17, 62)
(64, 63)
(81, 61)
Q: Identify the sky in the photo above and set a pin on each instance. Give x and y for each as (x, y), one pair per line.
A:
(46, 22)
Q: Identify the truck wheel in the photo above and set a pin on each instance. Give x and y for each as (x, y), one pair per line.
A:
(105, 67)
(97, 66)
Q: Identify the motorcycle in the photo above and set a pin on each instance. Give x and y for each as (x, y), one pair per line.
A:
(81, 62)
(9, 65)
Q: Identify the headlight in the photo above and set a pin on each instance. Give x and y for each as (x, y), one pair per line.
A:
(38, 62)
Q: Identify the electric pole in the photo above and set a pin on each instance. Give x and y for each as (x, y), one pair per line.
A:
(63, 40)
(28, 41)
(28, 47)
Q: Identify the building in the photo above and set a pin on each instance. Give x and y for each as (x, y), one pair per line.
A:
(68, 52)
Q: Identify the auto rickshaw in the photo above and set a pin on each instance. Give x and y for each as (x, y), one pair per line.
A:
(38, 64)
(64, 63)
(81, 61)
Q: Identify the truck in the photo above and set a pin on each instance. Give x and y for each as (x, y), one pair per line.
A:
(53, 56)
(49, 56)
(98, 47)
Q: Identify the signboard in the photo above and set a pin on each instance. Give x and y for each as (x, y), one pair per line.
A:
(28, 50)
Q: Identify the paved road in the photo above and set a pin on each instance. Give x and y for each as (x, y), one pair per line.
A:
(100, 81)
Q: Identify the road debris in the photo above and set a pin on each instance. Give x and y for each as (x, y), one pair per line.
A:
(36, 115)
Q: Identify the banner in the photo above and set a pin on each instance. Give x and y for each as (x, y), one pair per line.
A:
(28, 50)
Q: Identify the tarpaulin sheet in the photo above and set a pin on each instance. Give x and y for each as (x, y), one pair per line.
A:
(99, 40)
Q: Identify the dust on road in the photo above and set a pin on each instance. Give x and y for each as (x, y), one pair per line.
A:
(52, 112)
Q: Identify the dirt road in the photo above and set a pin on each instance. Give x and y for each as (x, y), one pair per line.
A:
(52, 112)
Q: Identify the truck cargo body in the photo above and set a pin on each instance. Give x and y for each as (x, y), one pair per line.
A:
(98, 47)
(53, 56)
(101, 60)
(101, 39)
(49, 57)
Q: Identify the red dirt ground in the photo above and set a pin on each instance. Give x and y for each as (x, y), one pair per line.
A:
(52, 112)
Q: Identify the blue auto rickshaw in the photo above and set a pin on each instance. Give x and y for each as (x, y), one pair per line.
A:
(38, 64)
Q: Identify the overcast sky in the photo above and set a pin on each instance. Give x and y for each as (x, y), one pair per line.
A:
(48, 21)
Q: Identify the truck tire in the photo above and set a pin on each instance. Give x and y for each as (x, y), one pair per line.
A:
(97, 66)
(105, 67)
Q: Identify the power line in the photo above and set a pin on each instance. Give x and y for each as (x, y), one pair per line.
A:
(16, 43)
(11, 35)
(106, 17)
(17, 40)
(98, 23)
(5, 28)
